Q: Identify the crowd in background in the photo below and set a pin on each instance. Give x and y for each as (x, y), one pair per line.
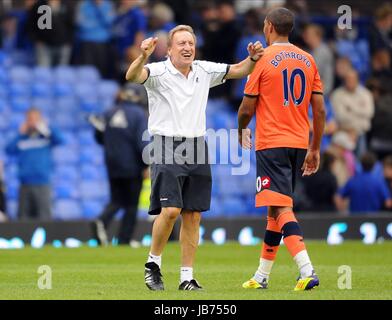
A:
(354, 65)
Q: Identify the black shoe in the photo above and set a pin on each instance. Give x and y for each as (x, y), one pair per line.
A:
(153, 276)
(190, 285)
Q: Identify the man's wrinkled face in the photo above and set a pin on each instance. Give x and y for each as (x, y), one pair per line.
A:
(183, 49)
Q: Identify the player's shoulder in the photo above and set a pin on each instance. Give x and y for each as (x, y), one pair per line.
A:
(156, 68)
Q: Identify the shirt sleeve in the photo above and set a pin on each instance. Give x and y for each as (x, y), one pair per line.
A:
(155, 73)
(216, 72)
(252, 87)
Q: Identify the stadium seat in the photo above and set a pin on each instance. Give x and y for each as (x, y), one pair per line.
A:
(3, 91)
(108, 89)
(19, 90)
(67, 210)
(86, 137)
(65, 74)
(91, 155)
(43, 75)
(15, 120)
(66, 190)
(233, 206)
(86, 90)
(92, 173)
(64, 155)
(90, 190)
(91, 209)
(42, 90)
(12, 189)
(66, 173)
(65, 121)
(20, 74)
(88, 74)
(63, 89)
(45, 105)
(67, 104)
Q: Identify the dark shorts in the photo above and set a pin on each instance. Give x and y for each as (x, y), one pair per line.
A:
(278, 169)
(181, 181)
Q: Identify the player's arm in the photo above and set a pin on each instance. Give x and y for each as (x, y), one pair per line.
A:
(137, 72)
(245, 115)
(312, 159)
(246, 66)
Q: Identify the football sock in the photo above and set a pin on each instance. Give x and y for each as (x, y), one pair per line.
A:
(156, 259)
(272, 239)
(292, 238)
(186, 274)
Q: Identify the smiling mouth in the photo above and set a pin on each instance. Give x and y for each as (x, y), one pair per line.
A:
(187, 55)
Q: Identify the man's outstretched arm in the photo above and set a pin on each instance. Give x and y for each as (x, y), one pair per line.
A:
(136, 72)
(246, 66)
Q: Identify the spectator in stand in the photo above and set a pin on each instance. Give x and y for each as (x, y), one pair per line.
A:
(94, 23)
(382, 67)
(380, 135)
(253, 31)
(321, 188)
(128, 32)
(322, 54)
(342, 66)
(380, 34)
(331, 126)
(32, 146)
(221, 33)
(342, 146)
(160, 52)
(161, 18)
(354, 108)
(364, 191)
(52, 46)
(387, 165)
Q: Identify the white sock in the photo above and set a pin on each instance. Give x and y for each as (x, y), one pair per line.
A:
(186, 274)
(264, 270)
(304, 265)
(156, 259)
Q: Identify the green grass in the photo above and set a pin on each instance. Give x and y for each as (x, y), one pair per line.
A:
(117, 273)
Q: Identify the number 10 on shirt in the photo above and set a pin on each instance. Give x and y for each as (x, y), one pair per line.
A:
(289, 86)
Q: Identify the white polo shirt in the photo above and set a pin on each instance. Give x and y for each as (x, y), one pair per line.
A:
(177, 104)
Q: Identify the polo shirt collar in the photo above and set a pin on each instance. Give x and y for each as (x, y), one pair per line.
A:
(173, 69)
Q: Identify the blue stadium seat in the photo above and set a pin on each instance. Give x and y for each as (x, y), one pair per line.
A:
(88, 74)
(20, 74)
(20, 104)
(93, 190)
(67, 210)
(67, 104)
(43, 75)
(19, 90)
(91, 105)
(66, 190)
(65, 74)
(66, 173)
(3, 91)
(86, 90)
(3, 105)
(65, 155)
(86, 137)
(91, 209)
(71, 139)
(233, 206)
(63, 89)
(15, 120)
(64, 121)
(108, 89)
(42, 90)
(46, 105)
(91, 155)
(12, 189)
(92, 173)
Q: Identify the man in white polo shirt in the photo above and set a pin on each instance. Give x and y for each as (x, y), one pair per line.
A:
(177, 92)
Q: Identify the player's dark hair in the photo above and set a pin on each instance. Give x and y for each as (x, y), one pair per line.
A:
(282, 19)
(368, 160)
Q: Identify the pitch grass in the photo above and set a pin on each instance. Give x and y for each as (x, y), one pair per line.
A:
(117, 273)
